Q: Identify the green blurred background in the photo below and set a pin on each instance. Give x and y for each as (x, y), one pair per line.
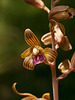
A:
(15, 17)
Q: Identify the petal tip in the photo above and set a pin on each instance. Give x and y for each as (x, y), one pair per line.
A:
(46, 96)
(22, 56)
(27, 30)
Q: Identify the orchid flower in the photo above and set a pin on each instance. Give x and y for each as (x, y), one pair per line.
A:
(36, 54)
(59, 13)
(59, 32)
(45, 96)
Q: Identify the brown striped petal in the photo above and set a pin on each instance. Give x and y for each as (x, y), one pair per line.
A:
(65, 44)
(64, 66)
(31, 39)
(73, 61)
(26, 53)
(28, 63)
(46, 96)
(50, 54)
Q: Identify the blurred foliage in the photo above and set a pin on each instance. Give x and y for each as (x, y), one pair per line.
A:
(15, 17)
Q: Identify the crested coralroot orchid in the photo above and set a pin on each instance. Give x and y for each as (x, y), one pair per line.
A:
(59, 32)
(45, 96)
(36, 54)
(62, 12)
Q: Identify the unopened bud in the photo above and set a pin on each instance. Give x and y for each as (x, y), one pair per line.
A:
(64, 66)
(59, 13)
(37, 3)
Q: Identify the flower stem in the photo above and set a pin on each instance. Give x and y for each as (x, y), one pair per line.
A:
(52, 4)
(53, 70)
(54, 82)
(53, 67)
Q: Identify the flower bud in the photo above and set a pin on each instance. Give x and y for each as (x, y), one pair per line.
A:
(64, 66)
(37, 3)
(59, 13)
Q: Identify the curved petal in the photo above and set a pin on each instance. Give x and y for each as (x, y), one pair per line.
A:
(28, 63)
(23, 94)
(47, 39)
(50, 54)
(26, 53)
(65, 44)
(31, 39)
(46, 96)
(64, 66)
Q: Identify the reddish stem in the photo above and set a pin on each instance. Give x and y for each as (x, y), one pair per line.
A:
(52, 4)
(53, 70)
(54, 82)
(53, 67)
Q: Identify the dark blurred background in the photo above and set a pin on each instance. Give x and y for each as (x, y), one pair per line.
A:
(15, 17)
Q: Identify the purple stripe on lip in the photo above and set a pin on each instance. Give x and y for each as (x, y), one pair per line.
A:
(38, 59)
